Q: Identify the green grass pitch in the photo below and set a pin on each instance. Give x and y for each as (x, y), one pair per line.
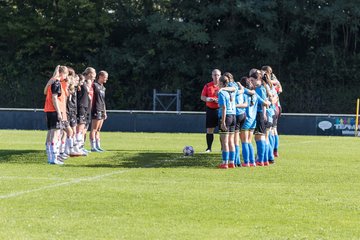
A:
(143, 188)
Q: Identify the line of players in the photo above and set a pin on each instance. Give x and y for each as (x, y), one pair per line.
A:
(73, 103)
(241, 110)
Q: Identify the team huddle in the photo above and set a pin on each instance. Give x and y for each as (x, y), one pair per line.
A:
(241, 110)
(73, 103)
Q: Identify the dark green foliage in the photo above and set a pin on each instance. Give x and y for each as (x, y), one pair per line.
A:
(168, 45)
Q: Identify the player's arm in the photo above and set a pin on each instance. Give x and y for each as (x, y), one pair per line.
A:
(55, 101)
(274, 99)
(241, 88)
(223, 114)
(105, 114)
(229, 89)
(208, 99)
(263, 101)
(55, 93)
(268, 91)
(48, 84)
(249, 92)
(264, 112)
(242, 105)
(204, 96)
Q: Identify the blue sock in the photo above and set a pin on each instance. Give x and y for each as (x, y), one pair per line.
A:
(260, 151)
(276, 145)
(271, 153)
(225, 157)
(245, 152)
(271, 140)
(231, 157)
(237, 154)
(251, 153)
(266, 151)
(264, 148)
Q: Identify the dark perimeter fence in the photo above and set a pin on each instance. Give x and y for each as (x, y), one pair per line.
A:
(185, 122)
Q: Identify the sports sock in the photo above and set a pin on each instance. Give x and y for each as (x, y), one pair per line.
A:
(271, 149)
(276, 145)
(209, 140)
(251, 153)
(267, 152)
(237, 154)
(93, 144)
(272, 140)
(245, 152)
(260, 153)
(231, 157)
(62, 147)
(54, 152)
(225, 157)
(98, 146)
(79, 139)
(264, 149)
(48, 152)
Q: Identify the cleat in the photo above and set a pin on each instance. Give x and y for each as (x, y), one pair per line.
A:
(271, 162)
(208, 150)
(238, 165)
(75, 154)
(252, 165)
(223, 166)
(266, 163)
(245, 165)
(61, 157)
(276, 154)
(75, 149)
(231, 165)
(84, 153)
(95, 150)
(85, 150)
(100, 149)
(58, 162)
(259, 164)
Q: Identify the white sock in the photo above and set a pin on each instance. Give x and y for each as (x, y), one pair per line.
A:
(62, 147)
(93, 144)
(48, 152)
(98, 146)
(79, 138)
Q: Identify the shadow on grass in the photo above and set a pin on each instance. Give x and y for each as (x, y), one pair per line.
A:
(117, 159)
(121, 159)
(22, 156)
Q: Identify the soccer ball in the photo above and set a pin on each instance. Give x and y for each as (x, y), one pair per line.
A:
(188, 151)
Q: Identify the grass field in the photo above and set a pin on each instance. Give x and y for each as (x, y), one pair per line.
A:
(142, 188)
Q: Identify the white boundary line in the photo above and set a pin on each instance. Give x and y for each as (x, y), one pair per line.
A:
(33, 178)
(75, 181)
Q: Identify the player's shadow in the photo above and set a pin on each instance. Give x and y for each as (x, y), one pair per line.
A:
(121, 159)
(22, 156)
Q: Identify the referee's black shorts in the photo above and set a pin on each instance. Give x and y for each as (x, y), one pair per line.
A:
(212, 117)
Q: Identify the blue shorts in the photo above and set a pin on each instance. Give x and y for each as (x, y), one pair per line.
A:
(249, 124)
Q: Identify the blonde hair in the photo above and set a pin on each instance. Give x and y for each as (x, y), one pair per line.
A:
(59, 69)
(87, 71)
